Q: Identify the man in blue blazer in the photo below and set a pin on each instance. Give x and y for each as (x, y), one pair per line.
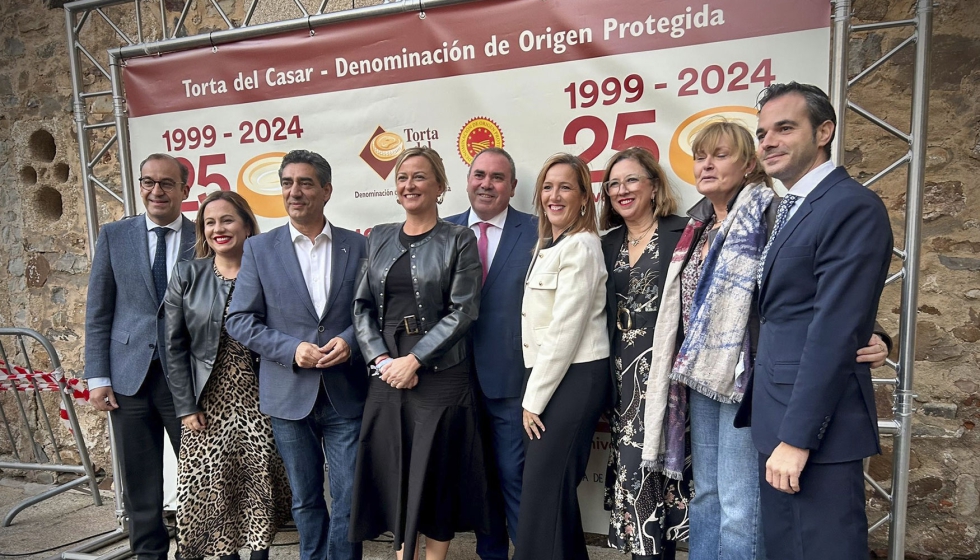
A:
(812, 406)
(506, 239)
(123, 326)
(292, 306)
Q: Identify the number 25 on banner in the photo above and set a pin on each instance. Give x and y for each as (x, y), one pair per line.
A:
(619, 138)
(204, 179)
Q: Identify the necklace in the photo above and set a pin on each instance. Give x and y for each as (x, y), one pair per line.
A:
(634, 241)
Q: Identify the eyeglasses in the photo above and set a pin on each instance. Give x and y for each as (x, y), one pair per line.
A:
(147, 184)
(630, 182)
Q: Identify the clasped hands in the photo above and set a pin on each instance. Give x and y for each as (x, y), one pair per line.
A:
(309, 355)
(400, 373)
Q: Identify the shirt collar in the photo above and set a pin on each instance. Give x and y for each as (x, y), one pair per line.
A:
(497, 220)
(808, 182)
(174, 225)
(295, 234)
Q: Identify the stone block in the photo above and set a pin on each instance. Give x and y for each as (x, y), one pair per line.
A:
(939, 409)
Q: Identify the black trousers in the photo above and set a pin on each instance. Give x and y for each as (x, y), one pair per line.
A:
(138, 426)
(550, 522)
(824, 520)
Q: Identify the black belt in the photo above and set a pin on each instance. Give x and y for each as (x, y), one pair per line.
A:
(408, 325)
(627, 319)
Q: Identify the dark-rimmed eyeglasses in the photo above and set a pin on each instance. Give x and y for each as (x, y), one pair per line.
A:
(630, 182)
(147, 184)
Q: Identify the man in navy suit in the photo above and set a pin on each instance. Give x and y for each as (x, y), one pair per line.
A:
(812, 406)
(292, 306)
(506, 239)
(123, 326)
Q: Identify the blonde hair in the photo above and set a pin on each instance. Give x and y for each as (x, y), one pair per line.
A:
(201, 248)
(434, 159)
(586, 222)
(664, 199)
(742, 143)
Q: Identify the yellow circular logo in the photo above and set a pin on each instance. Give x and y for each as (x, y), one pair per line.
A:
(387, 146)
(681, 157)
(477, 135)
(258, 183)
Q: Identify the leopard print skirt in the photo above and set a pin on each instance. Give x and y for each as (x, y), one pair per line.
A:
(232, 489)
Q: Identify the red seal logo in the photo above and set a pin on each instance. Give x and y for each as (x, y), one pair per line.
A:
(477, 135)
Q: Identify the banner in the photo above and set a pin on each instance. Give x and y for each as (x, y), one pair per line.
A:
(535, 77)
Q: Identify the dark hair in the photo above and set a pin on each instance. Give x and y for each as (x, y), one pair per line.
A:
(664, 202)
(495, 150)
(583, 176)
(167, 157)
(818, 106)
(320, 165)
(201, 248)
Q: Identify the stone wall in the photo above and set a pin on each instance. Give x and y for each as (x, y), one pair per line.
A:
(43, 247)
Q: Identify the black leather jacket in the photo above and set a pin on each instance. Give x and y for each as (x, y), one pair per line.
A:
(446, 272)
(194, 309)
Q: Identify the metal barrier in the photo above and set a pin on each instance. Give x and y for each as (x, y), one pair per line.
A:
(23, 384)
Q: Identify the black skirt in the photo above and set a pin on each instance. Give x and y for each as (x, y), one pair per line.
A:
(420, 464)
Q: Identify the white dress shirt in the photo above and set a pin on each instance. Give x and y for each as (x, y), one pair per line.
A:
(493, 233)
(315, 263)
(808, 182)
(173, 251)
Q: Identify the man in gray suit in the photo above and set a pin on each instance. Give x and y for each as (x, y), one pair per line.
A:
(123, 323)
(292, 306)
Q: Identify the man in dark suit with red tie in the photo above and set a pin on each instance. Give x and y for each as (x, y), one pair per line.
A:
(505, 238)
(812, 406)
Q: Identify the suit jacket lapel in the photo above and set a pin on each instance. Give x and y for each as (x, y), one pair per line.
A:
(339, 253)
(801, 213)
(508, 240)
(188, 236)
(139, 241)
(290, 266)
(669, 236)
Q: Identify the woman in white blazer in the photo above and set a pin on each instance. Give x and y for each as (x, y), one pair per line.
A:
(566, 350)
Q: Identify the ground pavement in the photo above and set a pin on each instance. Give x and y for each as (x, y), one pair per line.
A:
(72, 516)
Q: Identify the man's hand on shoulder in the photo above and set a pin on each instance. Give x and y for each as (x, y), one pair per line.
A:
(103, 399)
(784, 467)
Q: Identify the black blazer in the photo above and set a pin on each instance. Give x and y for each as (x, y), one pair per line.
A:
(670, 229)
(194, 310)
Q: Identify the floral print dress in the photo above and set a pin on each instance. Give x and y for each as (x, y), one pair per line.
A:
(647, 508)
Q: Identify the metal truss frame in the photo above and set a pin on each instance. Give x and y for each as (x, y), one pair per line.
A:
(144, 39)
(900, 426)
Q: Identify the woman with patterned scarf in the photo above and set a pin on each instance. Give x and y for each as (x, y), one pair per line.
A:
(704, 338)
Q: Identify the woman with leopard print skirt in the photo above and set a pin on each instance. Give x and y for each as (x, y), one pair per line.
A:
(231, 483)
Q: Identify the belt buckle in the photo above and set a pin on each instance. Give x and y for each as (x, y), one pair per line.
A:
(411, 324)
(620, 323)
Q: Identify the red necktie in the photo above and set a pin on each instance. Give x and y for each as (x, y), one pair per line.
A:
(483, 245)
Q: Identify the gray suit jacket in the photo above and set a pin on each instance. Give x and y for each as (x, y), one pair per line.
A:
(123, 322)
(271, 312)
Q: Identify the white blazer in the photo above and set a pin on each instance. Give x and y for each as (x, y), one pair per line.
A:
(563, 317)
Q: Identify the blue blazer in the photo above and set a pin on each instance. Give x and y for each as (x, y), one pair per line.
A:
(817, 304)
(271, 312)
(123, 322)
(496, 334)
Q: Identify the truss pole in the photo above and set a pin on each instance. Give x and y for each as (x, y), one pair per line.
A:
(910, 286)
(79, 111)
(122, 134)
(838, 73)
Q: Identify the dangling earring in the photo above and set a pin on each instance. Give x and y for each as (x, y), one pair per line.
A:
(442, 197)
(582, 211)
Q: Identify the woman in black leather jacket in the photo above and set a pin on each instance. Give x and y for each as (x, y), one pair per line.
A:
(420, 461)
(231, 484)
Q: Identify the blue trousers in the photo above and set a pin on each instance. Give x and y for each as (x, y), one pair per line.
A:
(304, 444)
(503, 426)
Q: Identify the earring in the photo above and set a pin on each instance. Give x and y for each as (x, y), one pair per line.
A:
(582, 211)
(441, 198)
